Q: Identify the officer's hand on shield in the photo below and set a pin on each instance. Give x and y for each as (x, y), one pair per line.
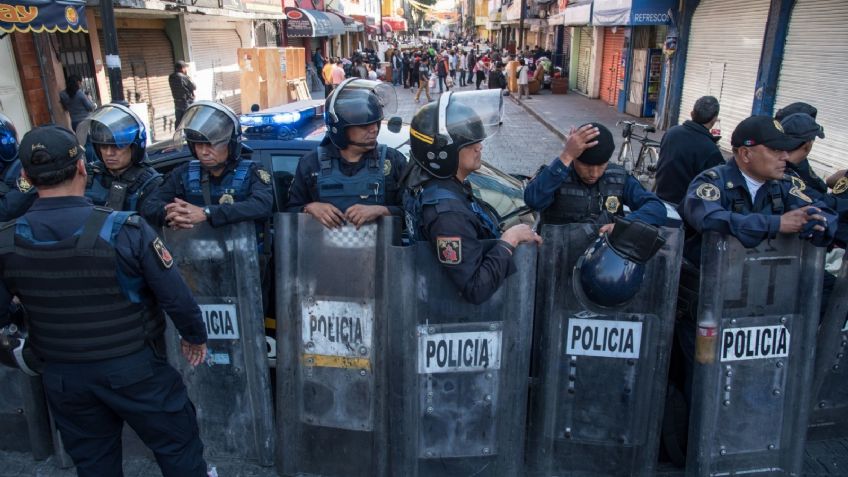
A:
(521, 233)
(360, 214)
(578, 141)
(793, 221)
(327, 214)
(194, 353)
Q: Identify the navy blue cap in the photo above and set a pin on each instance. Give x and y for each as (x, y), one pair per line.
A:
(802, 126)
(765, 131)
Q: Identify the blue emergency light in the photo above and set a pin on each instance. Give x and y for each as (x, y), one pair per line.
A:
(272, 124)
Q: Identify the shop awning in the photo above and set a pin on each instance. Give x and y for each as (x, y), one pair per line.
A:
(632, 12)
(43, 16)
(372, 29)
(301, 22)
(577, 13)
(350, 23)
(396, 23)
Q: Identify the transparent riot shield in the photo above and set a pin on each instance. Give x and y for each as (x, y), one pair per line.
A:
(599, 374)
(23, 414)
(459, 371)
(231, 390)
(331, 335)
(754, 355)
(829, 419)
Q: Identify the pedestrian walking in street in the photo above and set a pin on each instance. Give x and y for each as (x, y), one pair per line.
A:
(497, 80)
(480, 71)
(462, 67)
(113, 369)
(327, 76)
(423, 79)
(407, 81)
(470, 64)
(338, 73)
(442, 70)
(75, 101)
(397, 68)
(182, 90)
(523, 82)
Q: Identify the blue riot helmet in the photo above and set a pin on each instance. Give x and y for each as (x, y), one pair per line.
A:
(117, 125)
(210, 122)
(611, 271)
(357, 102)
(440, 129)
(8, 140)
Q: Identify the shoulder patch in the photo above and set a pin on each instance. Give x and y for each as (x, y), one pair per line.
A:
(798, 183)
(23, 185)
(800, 194)
(162, 252)
(387, 167)
(711, 174)
(449, 250)
(264, 175)
(841, 185)
(708, 192)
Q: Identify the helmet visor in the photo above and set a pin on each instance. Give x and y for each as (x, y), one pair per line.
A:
(455, 122)
(361, 101)
(205, 123)
(110, 124)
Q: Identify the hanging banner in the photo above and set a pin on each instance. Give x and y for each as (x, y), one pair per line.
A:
(43, 16)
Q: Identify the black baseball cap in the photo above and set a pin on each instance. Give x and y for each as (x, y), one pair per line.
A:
(763, 130)
(59, 143)
(796, 108)
(601, 152)
(802, 126)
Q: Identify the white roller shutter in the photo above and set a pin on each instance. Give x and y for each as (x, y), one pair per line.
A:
(725, 44)
(815, 66)
(215, 55)
(584, 51)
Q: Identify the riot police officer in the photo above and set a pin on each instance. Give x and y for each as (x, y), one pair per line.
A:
(350, 177)
(581, 186)
(16, 193)
(446, 138)
(219, 185)
(96, 284)
(117, 179)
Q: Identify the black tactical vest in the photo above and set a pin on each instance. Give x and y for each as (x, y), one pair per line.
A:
(77, 310)
(576, 202)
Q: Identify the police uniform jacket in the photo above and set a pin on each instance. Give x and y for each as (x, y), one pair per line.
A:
(131, 188)
(252, 199)
(305, 189)
(718, 200)
(686, 150)
(456, 232)
(142, 268)
(16, 194)
(545, 191)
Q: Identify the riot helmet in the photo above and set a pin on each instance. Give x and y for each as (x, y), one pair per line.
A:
(357, 102)
(440, 129)
(8, 140)
(212, 123)
(611, 271)
(117, 125)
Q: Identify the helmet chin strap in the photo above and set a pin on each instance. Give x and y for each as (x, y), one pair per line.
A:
(371, 144)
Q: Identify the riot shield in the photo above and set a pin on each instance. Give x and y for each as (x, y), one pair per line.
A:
(599, 374)
(331, 335)
(754, 355)
(23, 414)
(459, 371)
(829, 419)
(232, 390)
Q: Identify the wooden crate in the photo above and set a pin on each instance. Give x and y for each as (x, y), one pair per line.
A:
(559, 85)
(263, 81)
(295, 65)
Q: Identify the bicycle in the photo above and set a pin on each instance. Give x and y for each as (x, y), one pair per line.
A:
(644, 166)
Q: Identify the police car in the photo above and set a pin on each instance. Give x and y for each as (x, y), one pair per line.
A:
(279, 137)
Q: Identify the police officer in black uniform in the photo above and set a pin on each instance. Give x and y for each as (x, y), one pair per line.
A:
(117, 179)
(581, 186)
(219, 185)
(16, 193)
(350, 177)
(96, 285)
(446, 138)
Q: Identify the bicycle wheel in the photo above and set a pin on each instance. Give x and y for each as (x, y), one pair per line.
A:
(625, 156)
(652, 157)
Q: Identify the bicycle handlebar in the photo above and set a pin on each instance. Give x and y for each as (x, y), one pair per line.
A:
(647, 127)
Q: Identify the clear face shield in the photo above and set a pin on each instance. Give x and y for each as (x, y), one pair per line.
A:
(470, 116)
(346, 101)
(111, 124)
(206, 122)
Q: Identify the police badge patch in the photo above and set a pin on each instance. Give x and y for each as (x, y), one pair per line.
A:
(840, 186)
(449, 250)
(708, 192)
(226, 199)
(264, 176)
(164, 255)
(612, 204)
(23, 185)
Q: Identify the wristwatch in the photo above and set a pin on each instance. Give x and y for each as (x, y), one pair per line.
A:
(207, 212)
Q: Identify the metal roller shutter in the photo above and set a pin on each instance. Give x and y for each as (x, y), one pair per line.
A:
(725, 44)
(147, 58)
(215, 56)
(584, 50)
(814, 69)
(613, 47)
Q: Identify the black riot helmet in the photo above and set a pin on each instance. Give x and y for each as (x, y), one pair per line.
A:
(440, 129)
(357, 102)
(611, 271)
(8, 140)
(117, 125)
(210, 122)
